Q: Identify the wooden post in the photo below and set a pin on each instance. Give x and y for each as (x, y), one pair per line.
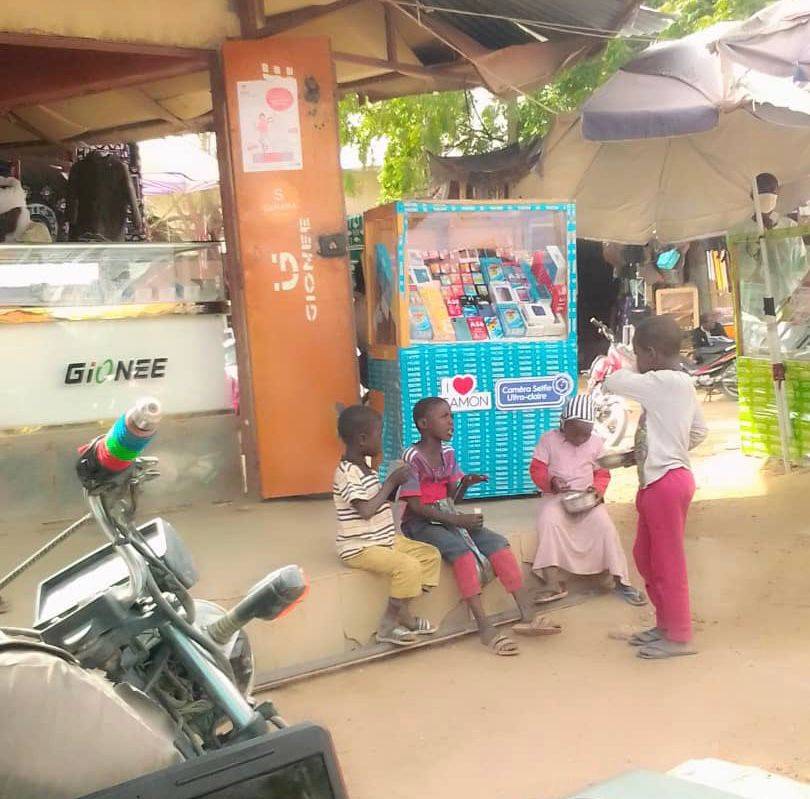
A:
(235, 279)
(282, 140)
(251, 17)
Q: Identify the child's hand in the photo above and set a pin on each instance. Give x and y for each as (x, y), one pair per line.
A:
(558, 485)
(400, 475)
(474, 479)
(470, 521)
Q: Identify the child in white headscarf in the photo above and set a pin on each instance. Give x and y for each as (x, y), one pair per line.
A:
(582, 543)
(15, 221)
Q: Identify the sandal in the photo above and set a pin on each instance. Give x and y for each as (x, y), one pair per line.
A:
(399, 636)
(539, 625)
(645, 637)
(663, 650)
(504, 646)
(423, 627)
(631, 595)
(550, 595)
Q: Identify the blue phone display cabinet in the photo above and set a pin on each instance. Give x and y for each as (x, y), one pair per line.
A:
(474, 302)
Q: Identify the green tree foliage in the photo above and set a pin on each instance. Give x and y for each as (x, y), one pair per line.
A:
(412, 126)
(694, 15)
(450, 122)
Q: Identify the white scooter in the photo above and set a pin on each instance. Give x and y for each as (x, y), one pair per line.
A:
(611, 410)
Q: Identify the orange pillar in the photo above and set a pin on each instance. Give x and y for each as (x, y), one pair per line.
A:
(296, 301)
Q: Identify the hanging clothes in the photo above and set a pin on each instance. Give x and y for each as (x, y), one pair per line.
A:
(100, 192)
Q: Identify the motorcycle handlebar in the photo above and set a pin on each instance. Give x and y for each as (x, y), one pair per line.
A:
(602, 328)
(274, 596)
(116, 451)
(105, 458)
(129, 436)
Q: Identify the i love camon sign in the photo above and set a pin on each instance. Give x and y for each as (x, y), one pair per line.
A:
(460, 392)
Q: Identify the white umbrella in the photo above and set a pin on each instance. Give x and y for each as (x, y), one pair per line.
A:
(685, 86)
(674, 189)
(670, 145)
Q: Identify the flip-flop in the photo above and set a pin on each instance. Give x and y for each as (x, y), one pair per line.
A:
(631, 595)
(503, 646)
(423, 627)
(645, 637)
(539, 625)
(550, 596)
(399, 636)
(660, 650)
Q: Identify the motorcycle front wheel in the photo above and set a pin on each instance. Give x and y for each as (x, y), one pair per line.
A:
(728, 381)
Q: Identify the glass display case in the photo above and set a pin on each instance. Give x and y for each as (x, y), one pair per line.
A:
(474, 302)
(790, 288)
(90, 328)
(104, 274)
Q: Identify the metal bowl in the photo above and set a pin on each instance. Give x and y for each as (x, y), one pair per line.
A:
(617, 460)
(579, 501)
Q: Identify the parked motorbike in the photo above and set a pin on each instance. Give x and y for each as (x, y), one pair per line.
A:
(125, 609)
(610, 409)
(715, 367)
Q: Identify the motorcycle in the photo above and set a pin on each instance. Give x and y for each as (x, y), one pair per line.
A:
(717, 366)
(125, 609)
(610, 409)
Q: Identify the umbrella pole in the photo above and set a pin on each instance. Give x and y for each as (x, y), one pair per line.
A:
(774, 345)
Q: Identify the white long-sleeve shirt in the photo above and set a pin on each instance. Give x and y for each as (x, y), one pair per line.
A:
(672, 422)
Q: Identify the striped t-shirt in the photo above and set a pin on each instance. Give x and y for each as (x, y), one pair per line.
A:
(354, 532)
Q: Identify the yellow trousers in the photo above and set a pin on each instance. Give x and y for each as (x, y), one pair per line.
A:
(411, 565)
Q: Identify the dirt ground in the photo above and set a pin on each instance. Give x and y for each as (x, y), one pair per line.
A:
(455, 721)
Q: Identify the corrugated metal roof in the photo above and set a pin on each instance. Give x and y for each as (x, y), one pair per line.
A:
(553, 19)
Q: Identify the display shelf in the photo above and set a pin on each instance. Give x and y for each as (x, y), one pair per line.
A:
(107, 274)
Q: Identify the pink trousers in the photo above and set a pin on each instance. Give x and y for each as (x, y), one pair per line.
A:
(659, 550)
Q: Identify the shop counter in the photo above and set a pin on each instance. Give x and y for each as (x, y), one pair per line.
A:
(88, 328)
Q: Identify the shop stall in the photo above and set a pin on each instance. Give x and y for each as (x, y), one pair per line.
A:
(790, 284)
(474, 302)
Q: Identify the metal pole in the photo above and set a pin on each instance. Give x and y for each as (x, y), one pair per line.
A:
(42, 552)
(774, 345)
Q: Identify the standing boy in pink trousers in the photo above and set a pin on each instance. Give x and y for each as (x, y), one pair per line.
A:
(671, 424)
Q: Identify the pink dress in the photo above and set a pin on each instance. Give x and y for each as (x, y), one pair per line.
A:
(585, 543)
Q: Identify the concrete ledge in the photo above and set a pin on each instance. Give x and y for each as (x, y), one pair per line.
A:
(335, 626)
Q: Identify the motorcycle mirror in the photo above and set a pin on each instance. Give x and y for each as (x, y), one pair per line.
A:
(272, 597)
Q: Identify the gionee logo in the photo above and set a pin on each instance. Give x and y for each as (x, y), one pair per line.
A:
(109, 371)
(288, 266)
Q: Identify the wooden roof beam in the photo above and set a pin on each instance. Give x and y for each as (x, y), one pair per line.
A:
(287, 20)
(251, 17)
(412, 70)
(19, 122)
(146, 129)
(453, 38)
(106, 83)
(436, 74)
(164, 112)
(390, 33)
